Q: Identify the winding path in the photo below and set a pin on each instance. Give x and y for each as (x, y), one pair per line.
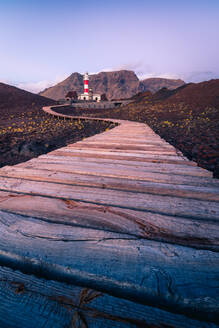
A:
(117, 230)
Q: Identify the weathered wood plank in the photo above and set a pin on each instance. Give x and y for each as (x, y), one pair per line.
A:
(138, 201)
(203, 193)
(125, 156)
(175, 230)
(132, 142)
(155, 141)
(139, 173)
(169, 169)
(126, 147)
(57, 305)
(134, 152)
(147, 272)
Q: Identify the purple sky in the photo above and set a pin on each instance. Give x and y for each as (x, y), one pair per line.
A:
(44, 41)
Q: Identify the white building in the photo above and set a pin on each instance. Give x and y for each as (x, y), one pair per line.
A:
(88, 93)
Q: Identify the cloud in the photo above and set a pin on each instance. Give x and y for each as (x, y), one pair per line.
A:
(144, 76)
(4, 81)
(137, 67)
(145, 71)
(134, 66)
(36, 87)
(142, 70)
(199, 76)
(108, 69)
(102, 70)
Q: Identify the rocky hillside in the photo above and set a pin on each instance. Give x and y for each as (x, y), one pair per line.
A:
(116, 85)
(14, 100)
(155, 84)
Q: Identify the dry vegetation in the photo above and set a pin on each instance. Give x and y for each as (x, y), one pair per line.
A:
(31, 133)
(26, 131)
(187, 118)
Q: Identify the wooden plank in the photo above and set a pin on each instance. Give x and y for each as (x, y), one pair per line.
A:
(108, 145)
(147, 272)
(115, 161)
(134, 150)
(171, 169)
(155, 140)
(156, 167)
(113, 166)
(131, 142)
(53, 304)
(157, 188)
(127, 173)
(124, 156)
(123, 149)
(138, 201)
(175, 230)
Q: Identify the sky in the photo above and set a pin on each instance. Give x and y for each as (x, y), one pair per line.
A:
(43, 41)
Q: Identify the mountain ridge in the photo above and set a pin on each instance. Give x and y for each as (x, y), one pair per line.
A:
(115, 84)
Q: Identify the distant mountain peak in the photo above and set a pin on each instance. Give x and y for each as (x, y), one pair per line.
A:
(115, 84)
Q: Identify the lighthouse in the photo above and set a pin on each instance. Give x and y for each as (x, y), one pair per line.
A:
(86, 79)
(88, 94)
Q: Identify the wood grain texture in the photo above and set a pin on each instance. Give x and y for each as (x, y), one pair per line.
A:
(114, 183)
(55, 304)
(148, 272)
(175, 230)
(117, 230)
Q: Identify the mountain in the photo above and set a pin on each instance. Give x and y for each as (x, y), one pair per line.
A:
(155, 84)
(117, 85)
(73, 83)
(14, 100)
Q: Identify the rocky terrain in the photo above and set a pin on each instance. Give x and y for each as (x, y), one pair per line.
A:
(187, 117)
(26, 131)
(116, 85)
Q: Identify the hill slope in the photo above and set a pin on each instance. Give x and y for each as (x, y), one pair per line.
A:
(200, 95)
(117, 85)
(26, 131)
(14, 100)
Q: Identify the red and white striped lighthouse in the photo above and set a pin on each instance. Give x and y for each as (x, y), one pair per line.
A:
(86, 79)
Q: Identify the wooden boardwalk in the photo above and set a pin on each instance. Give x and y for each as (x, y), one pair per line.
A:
(117, 230)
